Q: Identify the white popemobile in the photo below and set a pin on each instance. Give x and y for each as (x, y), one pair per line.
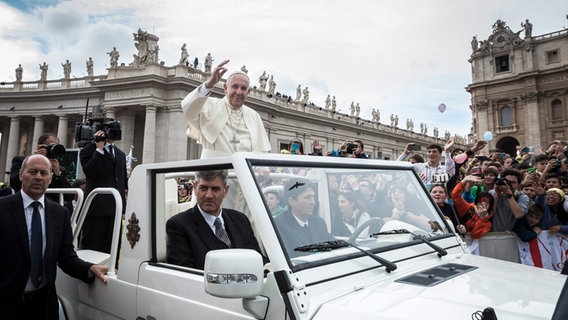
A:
(408, 265)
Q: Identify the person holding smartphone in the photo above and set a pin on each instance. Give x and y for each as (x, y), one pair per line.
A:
(433, 166)
(296, 146)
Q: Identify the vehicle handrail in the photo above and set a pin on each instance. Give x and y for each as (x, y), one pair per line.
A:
(80, 196)
(117, 223)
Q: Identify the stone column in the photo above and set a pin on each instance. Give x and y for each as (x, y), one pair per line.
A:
(127, 124)
(4, 149)
(533, 136)
(149, 135)
(62, 129)
(13, 141)
(110, 113)
(38, 129)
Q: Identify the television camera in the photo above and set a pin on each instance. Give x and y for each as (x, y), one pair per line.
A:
(85, 132)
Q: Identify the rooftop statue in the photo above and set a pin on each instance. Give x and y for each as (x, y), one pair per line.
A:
(43, 67)
(184, 55)
(19, 72)
(113, 57)
(90, 65)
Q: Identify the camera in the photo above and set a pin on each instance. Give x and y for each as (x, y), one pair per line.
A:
(350, 148)
(501, 181)
(54, 151)
(85, 132)
(414, 147)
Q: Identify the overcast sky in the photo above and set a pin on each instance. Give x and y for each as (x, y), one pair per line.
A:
(401, 56)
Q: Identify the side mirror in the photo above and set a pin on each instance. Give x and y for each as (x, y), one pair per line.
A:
(233, 273)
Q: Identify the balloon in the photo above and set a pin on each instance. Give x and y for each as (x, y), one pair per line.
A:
(442, 107)
(488, 136)
(461, 158)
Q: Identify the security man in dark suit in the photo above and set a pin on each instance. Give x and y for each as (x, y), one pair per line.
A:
(206, 226)
(298, 226)
(36, 237)
(104, 165)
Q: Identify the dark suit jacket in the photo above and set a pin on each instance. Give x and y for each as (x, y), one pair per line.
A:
(101, 170)
(294, 236)
(15, 265)
(190, 237)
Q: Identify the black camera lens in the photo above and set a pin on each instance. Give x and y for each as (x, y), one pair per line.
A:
(55, 151)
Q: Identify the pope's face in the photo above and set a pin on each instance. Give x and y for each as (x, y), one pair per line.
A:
(237, 89)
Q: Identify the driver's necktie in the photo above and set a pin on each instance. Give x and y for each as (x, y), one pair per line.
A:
(221, 233)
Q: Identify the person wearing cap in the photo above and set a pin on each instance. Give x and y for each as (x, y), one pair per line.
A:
(224, 126)
(555, 207)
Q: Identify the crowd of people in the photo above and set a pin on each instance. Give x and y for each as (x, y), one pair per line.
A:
(479, 193)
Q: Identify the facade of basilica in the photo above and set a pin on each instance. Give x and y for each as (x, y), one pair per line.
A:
(519, 89)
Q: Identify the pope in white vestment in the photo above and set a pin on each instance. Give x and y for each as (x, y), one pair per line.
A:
(224, 126)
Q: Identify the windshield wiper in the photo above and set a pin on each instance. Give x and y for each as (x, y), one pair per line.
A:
(322, 246)
(330, 245)
(440, 250)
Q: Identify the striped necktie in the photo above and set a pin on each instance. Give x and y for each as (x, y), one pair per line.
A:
(221, 233)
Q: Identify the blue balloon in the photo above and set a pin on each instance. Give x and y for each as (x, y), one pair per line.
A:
(488, 136)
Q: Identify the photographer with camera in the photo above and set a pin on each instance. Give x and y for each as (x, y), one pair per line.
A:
(104, 165)
(47, 145)
(511, 204)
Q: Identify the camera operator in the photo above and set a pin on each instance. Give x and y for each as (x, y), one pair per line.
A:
(49, 146)
(104, 165)
(511, 204)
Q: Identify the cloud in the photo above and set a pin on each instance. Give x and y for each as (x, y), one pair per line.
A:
(402, 57)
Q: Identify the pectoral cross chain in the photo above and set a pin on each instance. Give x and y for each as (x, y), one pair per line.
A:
(234, 141)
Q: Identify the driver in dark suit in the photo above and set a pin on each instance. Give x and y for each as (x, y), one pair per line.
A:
(207, 226)
(298, 226)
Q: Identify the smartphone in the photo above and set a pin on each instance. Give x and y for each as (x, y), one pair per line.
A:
(414, 147)
(295, 147)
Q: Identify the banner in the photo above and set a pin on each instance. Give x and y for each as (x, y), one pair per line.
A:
(548, 251)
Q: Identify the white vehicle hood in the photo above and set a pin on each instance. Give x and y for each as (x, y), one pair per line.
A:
(491, 284)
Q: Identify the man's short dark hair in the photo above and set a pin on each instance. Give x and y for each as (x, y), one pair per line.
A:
(360, 142)
(435, 146)
(553, 175)
(541, 157)
(45, 136)
(296, 186)
(482, 159)
(512, 172)
(212, 174)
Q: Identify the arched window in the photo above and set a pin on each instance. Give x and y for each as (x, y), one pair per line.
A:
(506, 116)
(556, 110)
